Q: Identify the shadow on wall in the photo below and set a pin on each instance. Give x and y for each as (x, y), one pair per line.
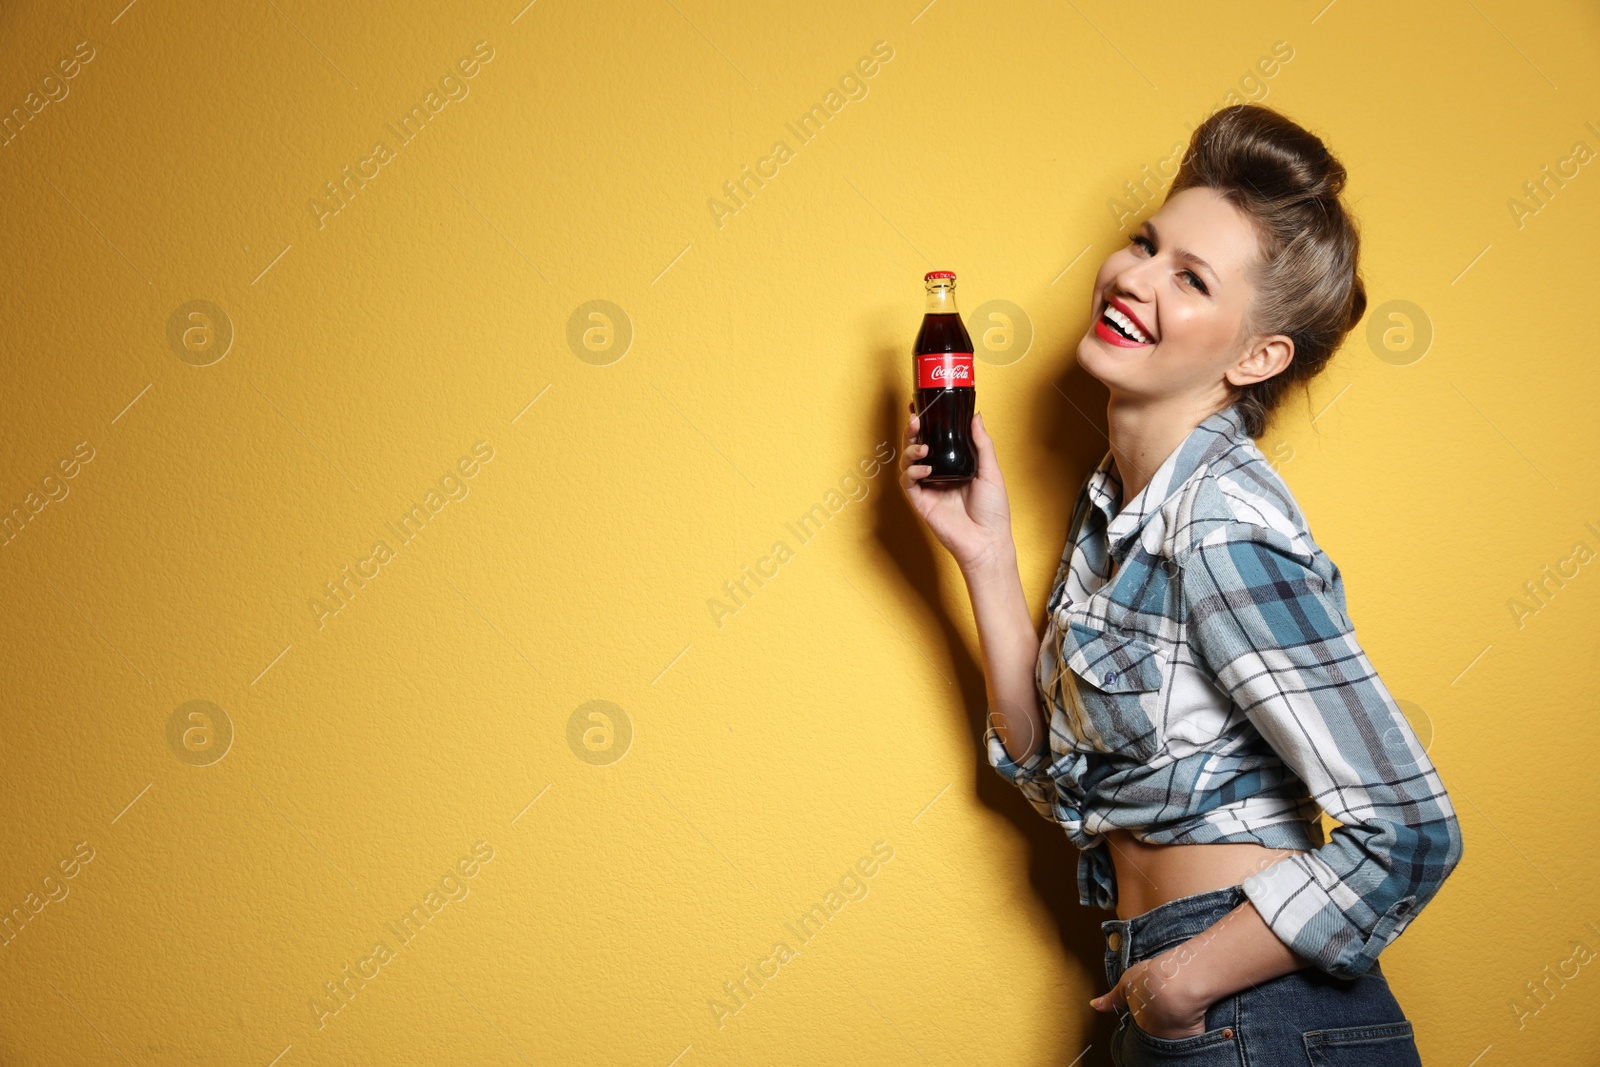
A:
(1044, 460)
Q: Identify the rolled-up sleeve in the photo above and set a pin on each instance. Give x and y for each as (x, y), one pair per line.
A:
(1266, 615)
(1028, 776)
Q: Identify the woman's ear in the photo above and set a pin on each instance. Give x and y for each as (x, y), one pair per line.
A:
(1265, 357)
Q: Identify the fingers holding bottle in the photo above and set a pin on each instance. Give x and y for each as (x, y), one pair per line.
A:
(987, 502)
(988, 462)
(911, 470)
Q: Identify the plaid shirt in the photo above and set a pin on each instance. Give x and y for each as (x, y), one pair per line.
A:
(1204, 684)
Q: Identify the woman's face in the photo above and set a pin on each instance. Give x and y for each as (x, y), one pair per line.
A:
(1184, 278)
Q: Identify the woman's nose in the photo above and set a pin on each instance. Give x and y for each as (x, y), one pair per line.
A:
(1132, 282)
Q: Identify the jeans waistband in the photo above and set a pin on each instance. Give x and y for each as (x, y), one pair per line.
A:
(1130, 940)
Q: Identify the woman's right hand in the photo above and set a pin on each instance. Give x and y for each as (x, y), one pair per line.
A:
(972, 520)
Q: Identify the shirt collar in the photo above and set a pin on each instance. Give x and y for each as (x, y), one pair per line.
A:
(1216, 435)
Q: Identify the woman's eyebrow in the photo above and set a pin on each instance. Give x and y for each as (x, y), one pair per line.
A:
(1183, 253)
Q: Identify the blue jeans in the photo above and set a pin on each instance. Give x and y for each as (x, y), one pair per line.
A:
(1306, 1018)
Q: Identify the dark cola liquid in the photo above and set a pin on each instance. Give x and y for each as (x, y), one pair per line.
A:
(946, 412)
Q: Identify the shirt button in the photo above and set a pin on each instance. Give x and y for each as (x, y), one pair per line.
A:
(1114, 940)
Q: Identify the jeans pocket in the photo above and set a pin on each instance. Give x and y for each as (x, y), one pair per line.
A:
(1373, 1045)
(1216, 1047)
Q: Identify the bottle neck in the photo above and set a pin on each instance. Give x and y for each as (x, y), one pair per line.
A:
(941, 299)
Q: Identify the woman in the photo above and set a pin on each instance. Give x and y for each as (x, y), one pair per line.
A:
(1200, 692)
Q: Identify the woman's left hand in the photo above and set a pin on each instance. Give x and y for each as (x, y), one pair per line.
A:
(1160, 997)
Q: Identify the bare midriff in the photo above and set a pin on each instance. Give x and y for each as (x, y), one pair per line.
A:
(1150, 875)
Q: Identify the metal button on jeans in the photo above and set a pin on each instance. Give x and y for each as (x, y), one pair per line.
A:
(1114, 940)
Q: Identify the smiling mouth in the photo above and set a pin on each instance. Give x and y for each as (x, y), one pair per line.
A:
(1124, 327)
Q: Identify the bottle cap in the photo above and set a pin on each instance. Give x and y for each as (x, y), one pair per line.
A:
(932, 274)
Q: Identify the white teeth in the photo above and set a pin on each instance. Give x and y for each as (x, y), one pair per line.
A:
(1127, 324)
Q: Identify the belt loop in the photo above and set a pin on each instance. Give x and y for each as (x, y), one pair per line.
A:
(1119, 944)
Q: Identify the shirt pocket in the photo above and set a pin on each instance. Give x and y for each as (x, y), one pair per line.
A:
(1115, 684)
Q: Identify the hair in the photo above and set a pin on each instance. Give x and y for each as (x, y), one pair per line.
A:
(1307, 282)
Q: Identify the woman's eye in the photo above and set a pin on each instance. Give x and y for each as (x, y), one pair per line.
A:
(1149, 246)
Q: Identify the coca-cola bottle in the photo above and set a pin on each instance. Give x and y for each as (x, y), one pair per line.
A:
(946, 394)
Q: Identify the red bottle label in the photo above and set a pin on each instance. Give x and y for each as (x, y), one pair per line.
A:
(944, 370)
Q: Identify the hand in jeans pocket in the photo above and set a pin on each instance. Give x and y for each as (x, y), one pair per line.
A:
(1159, 996)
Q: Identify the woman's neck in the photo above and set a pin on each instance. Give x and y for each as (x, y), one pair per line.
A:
(1144, 433)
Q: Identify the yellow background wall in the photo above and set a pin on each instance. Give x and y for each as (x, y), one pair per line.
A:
(230, 859)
